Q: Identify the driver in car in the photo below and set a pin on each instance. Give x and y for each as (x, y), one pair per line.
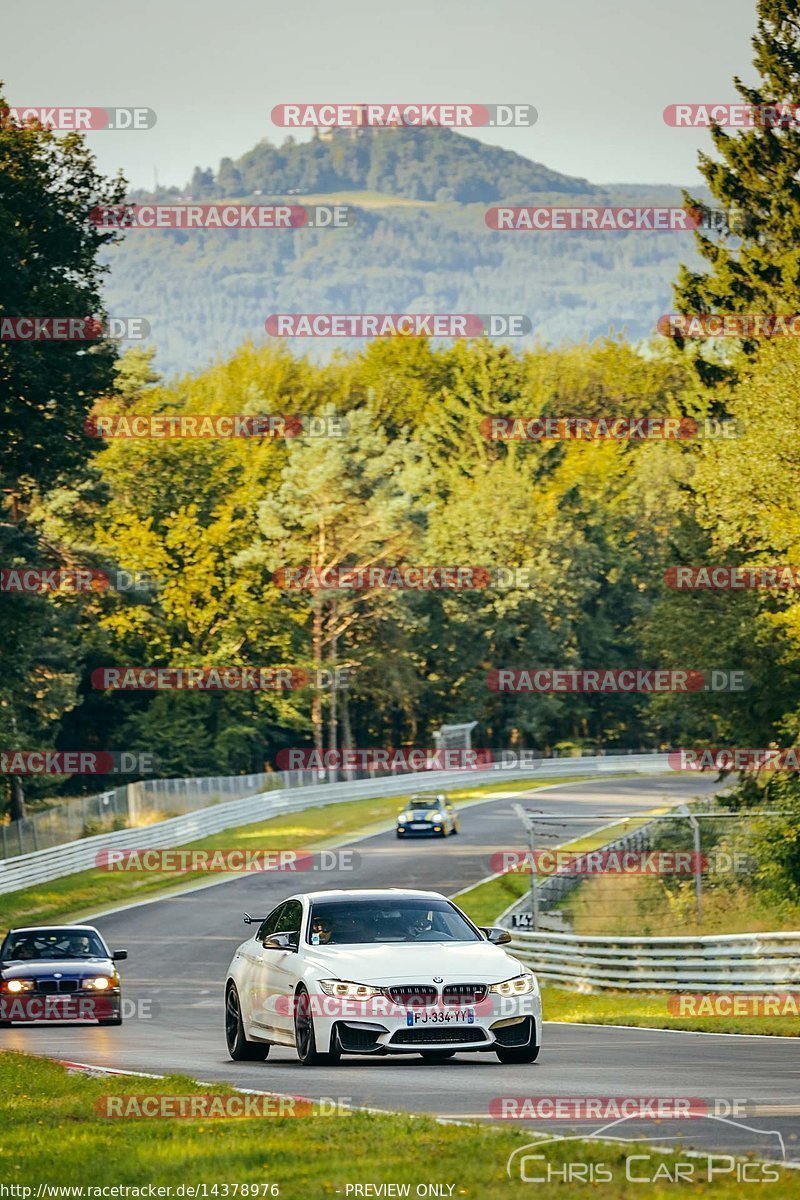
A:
(321, 931)
(421, 925)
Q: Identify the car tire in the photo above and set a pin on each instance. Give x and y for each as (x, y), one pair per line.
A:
(239, 1048)
(434, 1056)
(520, 1054)
(305, 1039)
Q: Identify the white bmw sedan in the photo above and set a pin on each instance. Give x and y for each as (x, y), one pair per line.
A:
(378, 972)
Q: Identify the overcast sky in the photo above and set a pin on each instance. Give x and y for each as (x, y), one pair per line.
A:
(599, 74)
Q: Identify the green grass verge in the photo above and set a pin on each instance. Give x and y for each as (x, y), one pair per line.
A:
(643, 905)
(314, 828)
(53, 1134)
(650, 1010)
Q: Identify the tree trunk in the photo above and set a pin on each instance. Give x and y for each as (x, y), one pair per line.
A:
(17, 809)
(333, 710)
(347, 732)
(316, 655)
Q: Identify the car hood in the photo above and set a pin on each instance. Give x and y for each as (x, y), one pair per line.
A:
(69, 968)
(418, 962)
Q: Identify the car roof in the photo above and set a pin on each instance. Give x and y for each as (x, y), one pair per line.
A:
(370, 894)
(52, 928)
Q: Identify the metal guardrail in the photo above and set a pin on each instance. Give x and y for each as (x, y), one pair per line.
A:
(736, 962)
(45, 865)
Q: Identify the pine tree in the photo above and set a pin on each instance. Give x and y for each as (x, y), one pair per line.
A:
(753, 243)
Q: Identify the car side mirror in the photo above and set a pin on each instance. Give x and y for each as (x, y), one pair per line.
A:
(118, 955)
(281, 941)
(248, 920)
(496, 934)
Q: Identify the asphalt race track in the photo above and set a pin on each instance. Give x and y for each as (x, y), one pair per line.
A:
(180, 947)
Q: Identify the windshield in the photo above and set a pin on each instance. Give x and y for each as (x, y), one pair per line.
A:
(356, 922)
(53, 943)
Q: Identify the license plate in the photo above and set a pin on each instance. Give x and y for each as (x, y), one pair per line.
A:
(420, 825)
(440, 1016)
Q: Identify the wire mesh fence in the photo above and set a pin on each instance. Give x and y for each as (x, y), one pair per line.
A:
(150, 800)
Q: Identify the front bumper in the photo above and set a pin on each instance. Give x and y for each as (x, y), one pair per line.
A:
(421, 829)
(382, 1027)
(27, 1007)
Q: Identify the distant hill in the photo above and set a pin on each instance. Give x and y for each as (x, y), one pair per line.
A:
(421, 164)
(419, 243)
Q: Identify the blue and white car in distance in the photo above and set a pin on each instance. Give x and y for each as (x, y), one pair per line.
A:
(432, 816)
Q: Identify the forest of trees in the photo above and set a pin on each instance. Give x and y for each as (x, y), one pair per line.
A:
(204, 292)
(413, 480)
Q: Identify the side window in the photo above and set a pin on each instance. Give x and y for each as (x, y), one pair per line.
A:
(290, 917)
(269, 924)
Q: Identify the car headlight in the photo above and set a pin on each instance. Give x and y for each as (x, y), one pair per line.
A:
(18, 985)
(401, 820)
(349, 991)
(101, 983)
(520, 985)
